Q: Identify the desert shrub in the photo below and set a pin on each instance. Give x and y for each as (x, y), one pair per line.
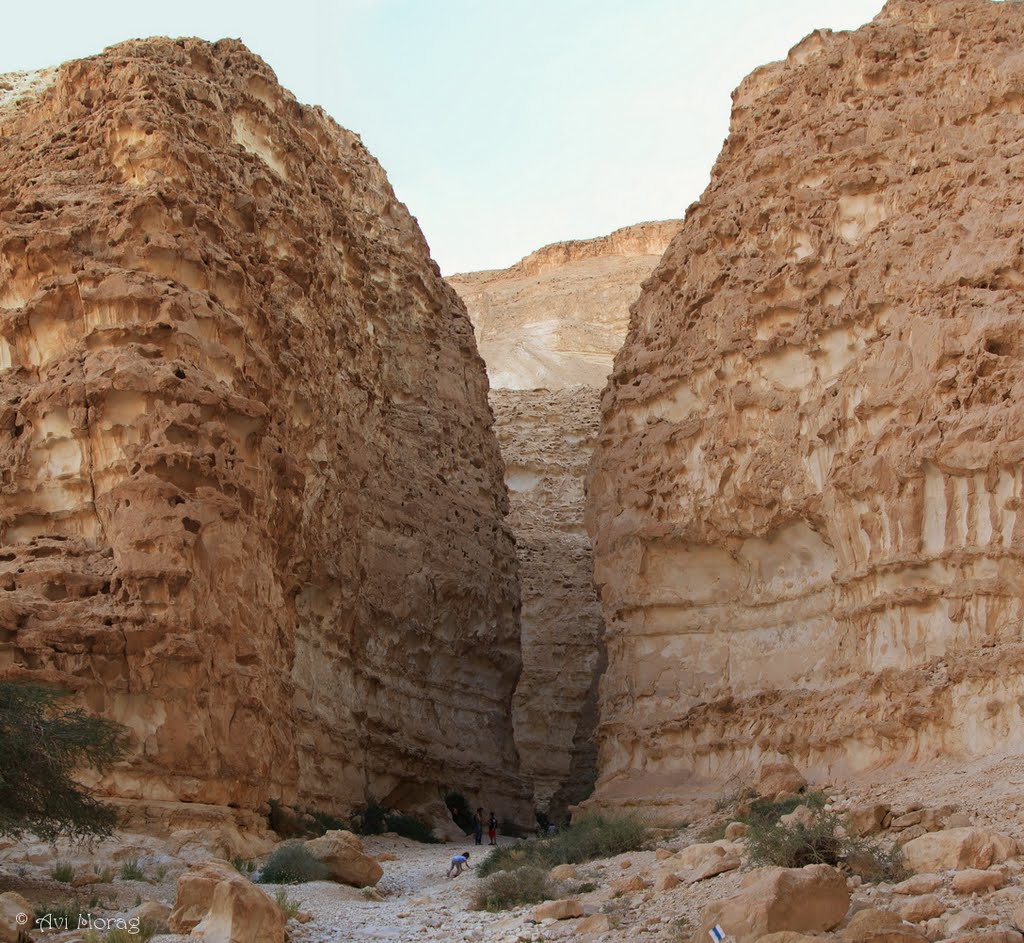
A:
(43, 742)
(375, 819)
(766, 810)
(132, 870)
(508, 889)
(460, 811)
(592, 837)
(243, 865)
(59, 916)
(408, 826)
(63, 871)
(822, 840)
(289, 906)
(145, 932)
(106, 875)
(324, 822)
(293, 863)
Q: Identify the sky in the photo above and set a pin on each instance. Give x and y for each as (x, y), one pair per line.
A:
(504, 126)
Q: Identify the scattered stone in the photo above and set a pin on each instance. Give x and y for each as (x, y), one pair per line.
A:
(880, 926)
(567, 909)
(919, 884)
(85, 879)
(563, 872)
(909, 834)
(773, 899)
(625, 863)
(662, 854)
(595, 923)
(866, 819)
(973, 881)
(919, 909)
(666, 881)
(630, 885)
(712, 866)
(735, 830)
(906, 820)
(801, 815)
(967, 920)
(958, 848)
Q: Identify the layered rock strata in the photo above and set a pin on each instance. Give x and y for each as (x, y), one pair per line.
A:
(252, 504)
(806, 492)
(554, 319)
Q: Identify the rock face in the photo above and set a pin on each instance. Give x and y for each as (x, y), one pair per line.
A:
(553, 320)
(252, 502)
(806, 492)
(557, 317)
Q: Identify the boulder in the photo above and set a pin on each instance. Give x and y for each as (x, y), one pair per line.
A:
(736, 830)
(216, 904)
(562, 872)
(595, 923)
(919, 884)
(152, 911)
(13, 906)
(880, 926)
(974, 881)
(666, 881)
(987, 936)
(345, 857)
(801, 815)
(925, 907)
(866, 819)
(567, 909)
(695, 856)
(712, 866)
(958, 848)
(772, 899)
(783, 776)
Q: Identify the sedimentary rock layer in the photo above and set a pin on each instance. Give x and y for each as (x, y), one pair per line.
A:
(807, 487)
(557, 317)
(251, 499)
(546, 439)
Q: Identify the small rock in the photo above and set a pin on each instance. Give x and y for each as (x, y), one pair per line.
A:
(595, 923)
(713, 866)
(83, 880)
(866, 819)
(663, 853)
(919, 884)
(625, 863)
(801, 815)
(735, 830)
(666, 881)
(925, 907)
(909, 834)
(562, 872)
(567, 909)
(974, 881)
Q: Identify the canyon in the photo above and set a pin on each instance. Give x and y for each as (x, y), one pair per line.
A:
(548, 328)
(806, 488)
(252, 502)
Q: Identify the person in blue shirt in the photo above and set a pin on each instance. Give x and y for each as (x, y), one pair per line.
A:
(458, 863)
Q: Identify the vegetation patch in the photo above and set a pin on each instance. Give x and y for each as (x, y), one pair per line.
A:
(592, 837)
(289, 906)
(63, 871)
(823, 839)
(508, 889)
(293, 863)
(132, 870)
(376, 819)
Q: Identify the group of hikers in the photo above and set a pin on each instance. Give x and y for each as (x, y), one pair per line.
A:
(461, 862)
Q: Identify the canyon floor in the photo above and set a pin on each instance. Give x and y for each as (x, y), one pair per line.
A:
(414, 901)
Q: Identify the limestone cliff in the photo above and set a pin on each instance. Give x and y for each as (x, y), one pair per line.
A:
(251, 499)
(554, 319)
(807, 487)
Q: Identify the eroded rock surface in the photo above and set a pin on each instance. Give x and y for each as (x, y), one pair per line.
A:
(806, 492)
(553, 320)
(556, 318)
(251, 500)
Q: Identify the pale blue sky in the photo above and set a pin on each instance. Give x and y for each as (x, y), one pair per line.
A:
(503, 125)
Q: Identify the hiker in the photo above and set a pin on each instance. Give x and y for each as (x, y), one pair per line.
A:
(478, 826)
(492, 830)
(458, 863)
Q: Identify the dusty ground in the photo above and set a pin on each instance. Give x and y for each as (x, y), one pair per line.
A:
(414, 901)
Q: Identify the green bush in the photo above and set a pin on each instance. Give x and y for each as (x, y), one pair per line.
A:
(376, 819)
(408, 826)
(243, 865)
(592, 837)
(42, 744)
(132, 870)
(293, 863)
(289, 906)
(63, 871)
(508, 889)
(823, 840)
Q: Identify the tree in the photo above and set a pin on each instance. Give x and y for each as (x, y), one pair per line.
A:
(42, 743)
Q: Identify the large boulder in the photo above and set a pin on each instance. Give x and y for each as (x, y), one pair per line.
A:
(773, 899)
(15, 914)
(781, 776)
(345, 857)
(880, 926)
(957, 849)
(216, 904)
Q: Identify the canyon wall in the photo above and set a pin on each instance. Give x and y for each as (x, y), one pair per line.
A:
(252, 504)
(557, 317)
(555, 320)
(806, 492)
